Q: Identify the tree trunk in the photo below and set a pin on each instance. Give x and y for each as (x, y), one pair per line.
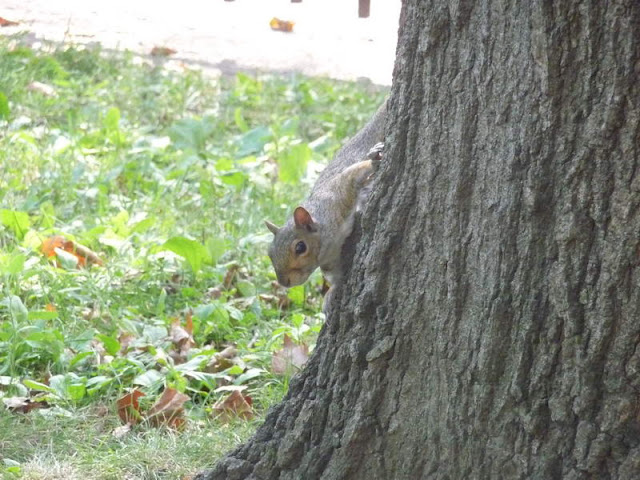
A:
(489, 326)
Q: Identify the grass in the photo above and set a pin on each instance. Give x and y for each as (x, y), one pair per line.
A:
(166, 174)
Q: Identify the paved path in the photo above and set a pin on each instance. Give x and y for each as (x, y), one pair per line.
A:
(328, 38)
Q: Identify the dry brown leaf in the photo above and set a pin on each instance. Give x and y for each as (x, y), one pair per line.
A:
(280, 293)
(230, 276)
(129, 408)
(290, 358)
(281, 25)
(22, 404)
(84, 255)
(236, 404)
(43, 88)
(222, 360)
(214, 293)
(182, 337)
(168, 410)
(280, 300)
(7, 23)
(125, 339)
(98, 347)
(162, 51)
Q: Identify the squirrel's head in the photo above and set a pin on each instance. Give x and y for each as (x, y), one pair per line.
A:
(295, 247)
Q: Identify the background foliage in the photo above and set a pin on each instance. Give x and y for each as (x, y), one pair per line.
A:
(165, 175)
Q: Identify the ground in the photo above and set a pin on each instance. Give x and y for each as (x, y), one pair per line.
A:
(328, 38)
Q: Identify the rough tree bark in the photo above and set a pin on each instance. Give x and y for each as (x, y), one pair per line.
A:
(490, 323)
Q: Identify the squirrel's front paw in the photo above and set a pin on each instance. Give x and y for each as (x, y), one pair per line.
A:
(375, 154)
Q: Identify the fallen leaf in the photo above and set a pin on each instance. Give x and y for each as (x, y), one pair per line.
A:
(7, 23)
(98, 347)
(122, 430)
(214, 293)
(280, 293)
(43, 88)
(222, 360)
(290, 358)
(129, 407)
(230, 275)
(22, 404)
(182, 336)
(236, 404)
(84, 255)
(168, 410)
(101, 410)
(125, 339)
(162, 51)
(281, 25)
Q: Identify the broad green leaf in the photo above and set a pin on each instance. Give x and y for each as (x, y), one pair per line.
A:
(289, 126)
(154, 334)
(253, 141)
(224, 164)
(111, 124)
(149, 379)
(48, 214)
(111, 120)
(217, 247)
(233, 312)
(42, 315)
(249, 375)
(45, 340)
(99, 381)
(235, 179)
(76, 392)
(246, 288)
(15, 220)
(193, 252)
(12, 264)
(297, 319)
(5, 111)
(293, 163)
(234, 370)
(79, 357)
(296, 294)
(143, 225)
(196, 363)
(16, 307)
(67, 260)
(240, 121)
(40, 387)
(111, 345)
(32, 240)
(191, 134)
(69, 386)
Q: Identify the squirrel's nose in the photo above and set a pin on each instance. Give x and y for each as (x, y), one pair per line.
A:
(284, 281)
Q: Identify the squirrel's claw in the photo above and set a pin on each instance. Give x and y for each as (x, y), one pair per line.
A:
(375, 153)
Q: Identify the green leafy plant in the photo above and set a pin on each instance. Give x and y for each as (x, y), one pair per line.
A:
(154, 185)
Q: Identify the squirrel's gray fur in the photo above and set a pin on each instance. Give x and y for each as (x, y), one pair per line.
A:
(325, 219)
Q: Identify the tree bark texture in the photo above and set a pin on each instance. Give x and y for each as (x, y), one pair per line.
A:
(489, 326)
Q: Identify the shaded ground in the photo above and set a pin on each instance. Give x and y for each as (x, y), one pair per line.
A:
(328, 38)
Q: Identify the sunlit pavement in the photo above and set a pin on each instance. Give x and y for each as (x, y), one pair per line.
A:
(328, 38)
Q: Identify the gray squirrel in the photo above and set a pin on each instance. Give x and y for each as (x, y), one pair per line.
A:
(314, 235)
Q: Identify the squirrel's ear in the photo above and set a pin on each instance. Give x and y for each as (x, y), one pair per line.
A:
(302, 218)
(272, 228)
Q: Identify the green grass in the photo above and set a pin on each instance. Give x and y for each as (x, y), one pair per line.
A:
(82, 446)
(167, 175)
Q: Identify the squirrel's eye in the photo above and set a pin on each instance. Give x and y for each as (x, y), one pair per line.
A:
(300, 248)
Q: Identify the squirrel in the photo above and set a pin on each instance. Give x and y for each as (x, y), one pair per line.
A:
(313, 237)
